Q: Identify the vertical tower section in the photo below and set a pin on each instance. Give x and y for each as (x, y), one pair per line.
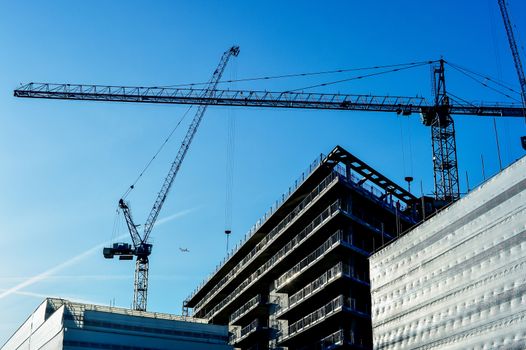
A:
(140, 295)
(514, 50)
(445, 165)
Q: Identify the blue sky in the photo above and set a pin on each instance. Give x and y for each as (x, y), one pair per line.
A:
(65, 164)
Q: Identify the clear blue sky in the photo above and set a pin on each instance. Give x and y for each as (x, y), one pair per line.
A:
(65, 164)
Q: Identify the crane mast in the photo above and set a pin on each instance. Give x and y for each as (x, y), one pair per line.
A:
(514, 49)
(445, 165)
(141, 248)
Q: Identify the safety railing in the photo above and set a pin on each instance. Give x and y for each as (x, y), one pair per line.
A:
(79, 308)
(327, 277)
(250, 328)
(337, 237)
(315, 317)
(369, 190)
(333, 339)
(291, 245)
(245, 331)
(260, 246)
(248, 306)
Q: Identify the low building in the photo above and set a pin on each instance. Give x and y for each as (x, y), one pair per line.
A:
(458, 281)
(300, 279)
(60, 324)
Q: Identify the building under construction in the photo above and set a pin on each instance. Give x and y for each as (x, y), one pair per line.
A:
(300, 280)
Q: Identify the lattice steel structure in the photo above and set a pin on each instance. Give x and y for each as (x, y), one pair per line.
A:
(445, 165)
(141, 247)
(514, 49)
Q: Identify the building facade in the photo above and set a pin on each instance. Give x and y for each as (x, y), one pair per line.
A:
(458, 280)
(300, 279)
(60, 324)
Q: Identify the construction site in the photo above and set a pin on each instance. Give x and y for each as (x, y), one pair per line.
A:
(405, 230)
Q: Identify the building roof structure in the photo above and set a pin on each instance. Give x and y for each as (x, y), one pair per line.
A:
(62, 324)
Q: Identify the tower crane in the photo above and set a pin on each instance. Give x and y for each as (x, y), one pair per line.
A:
(513, 46)
(140, 247)
(436, 115)
(516, 58)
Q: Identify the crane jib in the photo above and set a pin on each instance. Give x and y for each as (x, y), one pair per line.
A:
(247, 98)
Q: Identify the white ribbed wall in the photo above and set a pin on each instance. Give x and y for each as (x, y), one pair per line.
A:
(457, 281)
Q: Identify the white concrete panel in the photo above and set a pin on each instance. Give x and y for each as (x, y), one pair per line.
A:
(21, 339)
(55, 343)
(39, 316)
(48, 331)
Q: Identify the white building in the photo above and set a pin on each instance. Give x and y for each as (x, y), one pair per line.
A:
(60, 324)
(458, 281)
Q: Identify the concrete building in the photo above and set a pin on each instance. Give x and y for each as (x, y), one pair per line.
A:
(458, 281)
(300, 279)
(59, 324)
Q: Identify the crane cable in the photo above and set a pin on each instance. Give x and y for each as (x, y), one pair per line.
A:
(487, 86)
(294, 75)
(405, 133)
(413, 65)
(132, 186)
(230, 159)
(116, 228)
(494, 127)
(404, 170)
(470, 74)
(229, 175)
(496, 81)
(453, 97)
(499, 75)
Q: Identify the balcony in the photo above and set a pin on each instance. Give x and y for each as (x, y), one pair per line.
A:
(316, 317)
(323, 315)
(332, 341)
(296, 275)
(269, 238)
(326, 215)
(253, 307)
(312, 291)
(253, 333)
